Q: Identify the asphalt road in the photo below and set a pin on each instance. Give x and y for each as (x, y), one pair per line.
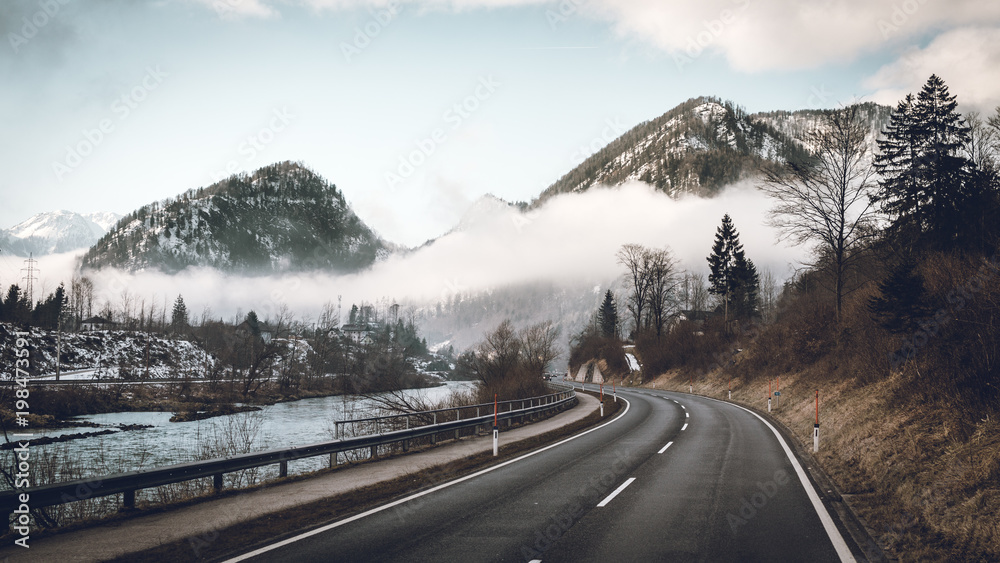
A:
(723, 490)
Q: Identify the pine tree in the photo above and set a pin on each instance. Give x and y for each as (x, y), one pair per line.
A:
(900, 304)
(746, 286)
(720, 263)
(179, 316)
(607, 316)
(896, 163)
(926, 179)
(732, 276)
(253, 322)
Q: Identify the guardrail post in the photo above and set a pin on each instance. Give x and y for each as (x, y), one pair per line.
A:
(333, 460)
(336, 430)
(217, 482)
(128, 499)
(283, 469)
(374, 452)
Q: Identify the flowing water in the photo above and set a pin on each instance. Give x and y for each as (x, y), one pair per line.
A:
(295, 423)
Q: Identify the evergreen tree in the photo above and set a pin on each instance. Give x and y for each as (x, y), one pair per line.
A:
(16, 306)
(179, 316)
(746, 286)
(896, 164)
(926, 186)
(253, 322)
(901, 302)
(732, 276)
(607, 316)
(46, 314)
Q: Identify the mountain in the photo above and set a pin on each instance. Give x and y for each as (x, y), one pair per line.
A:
(281, 217)
(55, 232)
(699, 147)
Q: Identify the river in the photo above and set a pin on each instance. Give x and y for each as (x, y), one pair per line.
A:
(293, 423)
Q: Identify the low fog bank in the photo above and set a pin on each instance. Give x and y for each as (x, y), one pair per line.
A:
(567, 245)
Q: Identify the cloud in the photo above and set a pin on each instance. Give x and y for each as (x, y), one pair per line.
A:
(967, 60)
(239, 9)
(569, 241)
(753, 35)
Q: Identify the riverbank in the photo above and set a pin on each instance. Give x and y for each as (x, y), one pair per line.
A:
(216, 527)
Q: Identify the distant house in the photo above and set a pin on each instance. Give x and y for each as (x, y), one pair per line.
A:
(265, 330)
(697, 318)
(96, 323)
(359, 333)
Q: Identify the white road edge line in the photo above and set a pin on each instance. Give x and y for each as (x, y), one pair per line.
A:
(365, 514)
(620, 488)
(664, 448)
(824, 516)
(685, 427)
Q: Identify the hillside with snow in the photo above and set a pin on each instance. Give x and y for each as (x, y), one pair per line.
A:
(699, 147)
(56, 232)
(282, 217)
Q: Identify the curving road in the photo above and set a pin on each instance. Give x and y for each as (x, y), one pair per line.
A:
(675, 477)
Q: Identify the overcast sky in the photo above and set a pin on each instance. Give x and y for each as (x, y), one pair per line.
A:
(415, 109)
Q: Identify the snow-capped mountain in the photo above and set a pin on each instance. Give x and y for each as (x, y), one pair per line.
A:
(700, 146)
(278, 218)
(56, 231)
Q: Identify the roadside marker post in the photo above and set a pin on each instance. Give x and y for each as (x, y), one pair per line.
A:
(691, 384)
(768, 395)
(816, 426)
(602, 400)
(496, 429)
(730, 388)
(614, 389)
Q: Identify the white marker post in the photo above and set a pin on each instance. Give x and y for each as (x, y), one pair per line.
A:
(730, 388)
(496, 429)
(602, 400)
(614, 389)
(816, 426)
(768, 395)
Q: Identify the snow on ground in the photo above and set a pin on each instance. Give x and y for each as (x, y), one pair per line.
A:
(633, 364)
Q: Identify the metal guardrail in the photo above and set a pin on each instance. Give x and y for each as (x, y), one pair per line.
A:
(129, 482)
(388, 423)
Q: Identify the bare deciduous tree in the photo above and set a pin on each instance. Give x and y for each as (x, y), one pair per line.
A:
(827, 200)
(635, 258)
(661, 278)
